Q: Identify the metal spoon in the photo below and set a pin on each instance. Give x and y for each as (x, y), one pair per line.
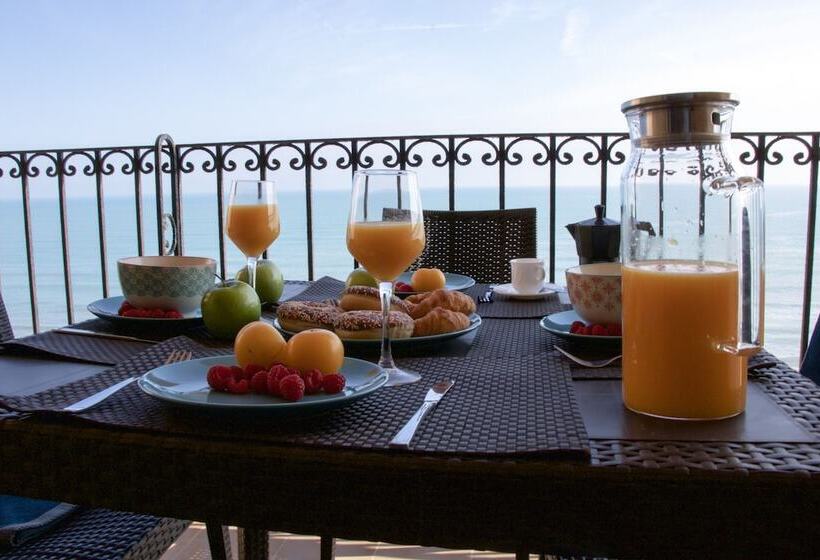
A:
(588, 363)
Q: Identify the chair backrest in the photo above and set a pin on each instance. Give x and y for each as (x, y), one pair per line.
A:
(478, 243)
(810, 367)
(5, 325)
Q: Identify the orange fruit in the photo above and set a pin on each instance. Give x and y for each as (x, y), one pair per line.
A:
(259, 343)
(427, 280)
(315, 349)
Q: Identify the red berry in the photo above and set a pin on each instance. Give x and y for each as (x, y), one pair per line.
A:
(583, 330)
(218, 377)
(238, 387)
(259, 382)
(157, 313)
(237, 373)
(125, 307)
(251, 369)
(313, 381)
(333, 383)
(275, 375)
(292, 388)
(576, 326)
(613, 329)
(598, 330)
(131, 313)
(173, 314)
(403, 287)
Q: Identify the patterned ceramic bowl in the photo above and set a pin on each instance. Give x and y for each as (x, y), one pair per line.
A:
(167, 282)
(595, 292)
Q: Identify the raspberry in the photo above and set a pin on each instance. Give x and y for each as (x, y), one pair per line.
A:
(259, 382)
(576, 326)
(125, 307)
(598, 330)
(613, 330)
(218, 377)
(173, 314)
(131, 313)
(583, 330)
(237, 373)
(292, 388)
(333, 383)
(403, 287)
(251, 369)
(275, 375)
(156, 313)
(313, 381)
(238, 387)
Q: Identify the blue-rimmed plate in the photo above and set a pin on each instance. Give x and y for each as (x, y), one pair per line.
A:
(452, 281)
(108, 309)
(185, 383)
(559, 324)
(475, 322)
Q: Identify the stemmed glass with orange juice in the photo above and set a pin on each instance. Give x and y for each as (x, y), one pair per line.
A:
(385, 233)
(252, 220)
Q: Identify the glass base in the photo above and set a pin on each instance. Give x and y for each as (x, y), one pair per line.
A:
(684, 419)
(396, 376)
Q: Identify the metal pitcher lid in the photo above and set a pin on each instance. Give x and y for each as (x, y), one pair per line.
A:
(599, 219)
(698, 117)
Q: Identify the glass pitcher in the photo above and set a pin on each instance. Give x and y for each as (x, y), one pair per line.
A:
(692, 247)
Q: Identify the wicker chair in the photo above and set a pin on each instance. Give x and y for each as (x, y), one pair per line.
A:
(478, 243)
(811, 358)
(100, 534)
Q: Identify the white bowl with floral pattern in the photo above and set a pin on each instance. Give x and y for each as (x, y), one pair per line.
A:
(595, 292)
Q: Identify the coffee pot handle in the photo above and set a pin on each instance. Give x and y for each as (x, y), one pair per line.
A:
(747, 223)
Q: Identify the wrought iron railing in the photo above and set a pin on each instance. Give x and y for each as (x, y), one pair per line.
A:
(547, 152)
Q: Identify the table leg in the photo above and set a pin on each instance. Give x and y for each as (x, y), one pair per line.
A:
(328, 547)
(521, 554)
(253, 543)
(219, 541)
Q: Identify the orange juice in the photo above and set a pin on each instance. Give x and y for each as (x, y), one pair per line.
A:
(252, 227)
(676, 314)
(385, 249)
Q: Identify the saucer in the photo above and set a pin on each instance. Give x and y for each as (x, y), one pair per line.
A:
(507, 291)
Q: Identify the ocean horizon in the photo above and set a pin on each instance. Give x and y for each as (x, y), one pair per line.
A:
(785, 254)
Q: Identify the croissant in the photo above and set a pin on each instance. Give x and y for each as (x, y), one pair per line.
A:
(440, 321)
(447, 299)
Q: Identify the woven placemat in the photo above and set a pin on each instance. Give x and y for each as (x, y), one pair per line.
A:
(501, 308)
(512, 407)
(77, 347)
(324, 288)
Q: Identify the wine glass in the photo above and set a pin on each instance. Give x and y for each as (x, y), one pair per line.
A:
(385, 233)
(252, 220)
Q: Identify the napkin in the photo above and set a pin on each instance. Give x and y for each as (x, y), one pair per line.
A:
(24, 519)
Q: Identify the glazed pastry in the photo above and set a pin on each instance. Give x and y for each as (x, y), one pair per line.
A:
(368, 324)
(298, 316)
(422, 304)
(440, 321)
(366, 298)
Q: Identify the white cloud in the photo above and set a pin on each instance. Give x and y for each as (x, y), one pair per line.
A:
(575, 24)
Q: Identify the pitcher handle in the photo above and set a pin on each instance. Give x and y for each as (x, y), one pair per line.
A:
(747, 218)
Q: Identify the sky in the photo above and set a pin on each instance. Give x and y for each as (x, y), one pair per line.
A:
(106, 73)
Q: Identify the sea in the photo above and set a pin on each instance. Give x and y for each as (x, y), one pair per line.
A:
(786, 217)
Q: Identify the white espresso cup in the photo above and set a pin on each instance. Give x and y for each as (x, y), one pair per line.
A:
(528, 275)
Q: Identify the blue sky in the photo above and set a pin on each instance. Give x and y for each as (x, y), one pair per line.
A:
(96, 73)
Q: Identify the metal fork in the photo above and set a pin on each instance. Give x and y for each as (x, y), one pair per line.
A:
(487, 297)
(95, 399)
(588, 363)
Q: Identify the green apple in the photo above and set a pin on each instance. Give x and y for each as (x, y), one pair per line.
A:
(269, 280)
(229, 307)
(361, 277)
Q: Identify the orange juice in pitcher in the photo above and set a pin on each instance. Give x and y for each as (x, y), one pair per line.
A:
(692, 252)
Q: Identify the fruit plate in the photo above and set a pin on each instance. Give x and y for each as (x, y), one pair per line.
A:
(108, 309)
(475, 322)
(559, 324)
(452, 281)
(185, 383)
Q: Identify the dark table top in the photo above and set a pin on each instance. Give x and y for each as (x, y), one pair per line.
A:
(656, 497)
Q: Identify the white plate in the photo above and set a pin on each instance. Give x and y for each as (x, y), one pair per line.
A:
(185, 383)
(507, 291)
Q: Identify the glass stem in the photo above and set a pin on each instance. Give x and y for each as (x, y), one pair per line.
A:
(386, 294)
(252, 271)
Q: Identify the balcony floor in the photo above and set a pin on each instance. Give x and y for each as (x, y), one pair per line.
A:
(193, 545)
